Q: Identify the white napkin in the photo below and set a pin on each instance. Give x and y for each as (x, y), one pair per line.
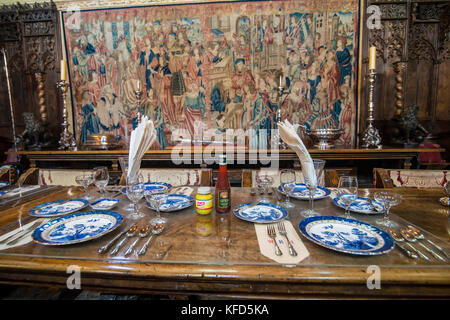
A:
(267, 247)
(141, 139)
(289, 135)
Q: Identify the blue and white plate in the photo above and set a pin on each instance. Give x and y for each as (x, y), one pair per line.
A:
(58, 208)
(346, 235)
(361, 205)
(77, 227)
(174, 202)
(302, 193)
(4, 184)
(104, 204)
(152, 186)
(260, 213)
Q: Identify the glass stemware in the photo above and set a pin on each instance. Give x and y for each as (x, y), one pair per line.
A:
(101, 178)
(348, 191)
(135, 192)
(311, 185)
(85, 180)
(287, 180)
(264, 180)
(389, 200)
(156, 197)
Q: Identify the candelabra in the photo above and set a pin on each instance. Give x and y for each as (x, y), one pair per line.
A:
(66, 141)
(371, 138)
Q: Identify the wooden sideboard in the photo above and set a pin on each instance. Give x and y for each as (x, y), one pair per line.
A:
(194, 154)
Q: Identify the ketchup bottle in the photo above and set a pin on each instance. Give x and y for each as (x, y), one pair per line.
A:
(223, 190)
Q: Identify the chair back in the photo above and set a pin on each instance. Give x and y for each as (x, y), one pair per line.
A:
(413, 178)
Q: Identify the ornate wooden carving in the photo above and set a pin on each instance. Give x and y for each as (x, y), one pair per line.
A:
(29, 33)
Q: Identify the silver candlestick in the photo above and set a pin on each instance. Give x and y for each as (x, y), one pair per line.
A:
(277, 136)
(138, 94)
(371, 138)
(66, 141)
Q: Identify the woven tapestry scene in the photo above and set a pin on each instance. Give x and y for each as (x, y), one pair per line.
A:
(214, 66)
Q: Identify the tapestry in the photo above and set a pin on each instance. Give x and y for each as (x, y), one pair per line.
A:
(217, 65)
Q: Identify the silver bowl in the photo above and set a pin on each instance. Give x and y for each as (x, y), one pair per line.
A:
(324, 138)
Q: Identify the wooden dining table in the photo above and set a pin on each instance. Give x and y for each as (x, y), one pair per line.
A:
(184, 260)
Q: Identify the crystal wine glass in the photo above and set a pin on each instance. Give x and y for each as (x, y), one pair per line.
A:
(287, 180)
(101, 178)
(264, 180)
(156, 197)
(348, 191)
(135, 192)
(311, 184)
(85, 180)
(389, 199)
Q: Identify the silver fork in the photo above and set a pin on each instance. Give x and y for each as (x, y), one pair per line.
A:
(282, 231)
(272, 234)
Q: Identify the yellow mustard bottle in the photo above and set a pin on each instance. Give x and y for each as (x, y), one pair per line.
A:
(204, 200)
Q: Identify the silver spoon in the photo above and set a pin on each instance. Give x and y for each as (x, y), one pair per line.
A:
(157, 229)
(129, 234)
(419, 235)
(398, 238)
(410, 238)
(142, 234)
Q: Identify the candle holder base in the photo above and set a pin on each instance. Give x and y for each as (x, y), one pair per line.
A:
(371, 138)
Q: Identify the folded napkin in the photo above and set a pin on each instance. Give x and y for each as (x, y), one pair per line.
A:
(267, 246)
(289, 135)
(141, 139)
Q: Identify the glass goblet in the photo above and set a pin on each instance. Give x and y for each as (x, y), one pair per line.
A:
(389, 200)
(348, 191)
(135, 192)
(85, 180)
(287, 180)
(311, 183)
(101, 178)
(264, 180)
(156, 197)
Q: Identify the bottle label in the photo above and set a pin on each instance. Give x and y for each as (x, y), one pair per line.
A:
(224, 199)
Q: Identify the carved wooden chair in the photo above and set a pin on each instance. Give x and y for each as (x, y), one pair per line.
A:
(54, 177)
(412, 178)
(176, 177)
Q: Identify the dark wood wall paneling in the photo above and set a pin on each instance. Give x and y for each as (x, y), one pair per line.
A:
(413, 65)
(30, 35)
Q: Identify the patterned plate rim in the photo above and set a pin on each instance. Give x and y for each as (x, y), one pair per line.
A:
(326, 190)
(4, 184)
(388, 241)
(336, 199)
(116, 201)
(191, 202)
(32, 211)
(38, 231)
(237, 210)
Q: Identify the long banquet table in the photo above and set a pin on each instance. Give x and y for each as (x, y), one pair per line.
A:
(180, 261)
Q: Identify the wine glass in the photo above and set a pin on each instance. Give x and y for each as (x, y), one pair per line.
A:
(101, 178)
(156, 197)
(123, 161)
(135, 192)
(85, 180)
(287, 180)
(389, 199)
(348, 191)
(311, 183)
(264, 180)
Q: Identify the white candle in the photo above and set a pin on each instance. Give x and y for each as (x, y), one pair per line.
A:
(280, 81)
(372, 58)
(63, 70)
